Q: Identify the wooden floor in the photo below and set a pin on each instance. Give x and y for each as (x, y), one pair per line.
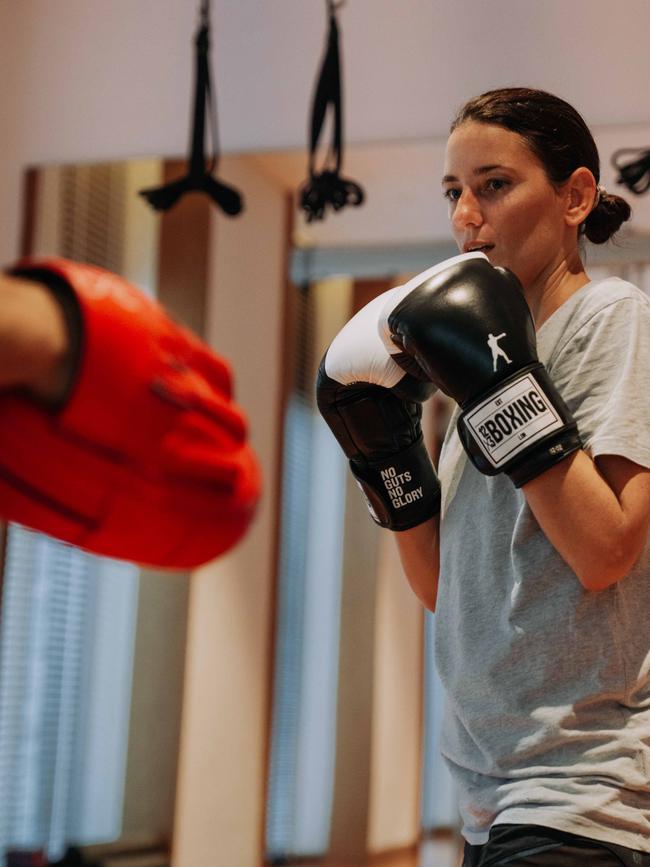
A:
(442, 851)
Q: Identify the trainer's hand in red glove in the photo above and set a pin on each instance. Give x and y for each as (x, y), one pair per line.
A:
(147, 459)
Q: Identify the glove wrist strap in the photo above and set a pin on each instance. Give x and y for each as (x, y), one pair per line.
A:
(401, 491)
(522, 428)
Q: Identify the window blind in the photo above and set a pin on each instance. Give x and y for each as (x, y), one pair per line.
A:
(306, 652)
(64, 679)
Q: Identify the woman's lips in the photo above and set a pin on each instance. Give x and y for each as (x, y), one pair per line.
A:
(478, 248)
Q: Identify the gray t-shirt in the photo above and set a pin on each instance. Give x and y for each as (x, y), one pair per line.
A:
(547, 719)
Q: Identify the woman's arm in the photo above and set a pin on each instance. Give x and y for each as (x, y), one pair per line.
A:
(420, 555)
(33, 340)
(595, 513)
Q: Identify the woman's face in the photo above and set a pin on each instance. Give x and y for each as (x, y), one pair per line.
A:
(501, 201)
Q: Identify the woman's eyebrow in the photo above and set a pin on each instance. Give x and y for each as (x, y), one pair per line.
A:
(481, 170)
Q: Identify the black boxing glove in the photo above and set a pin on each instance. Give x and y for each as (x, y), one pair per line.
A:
(374, 408)
(469, 327)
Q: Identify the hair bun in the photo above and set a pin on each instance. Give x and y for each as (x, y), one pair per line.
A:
(610, 212)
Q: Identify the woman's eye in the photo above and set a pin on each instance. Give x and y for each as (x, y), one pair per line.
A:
(452, 194)
(494, 184)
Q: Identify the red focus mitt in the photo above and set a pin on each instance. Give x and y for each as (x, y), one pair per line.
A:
(148, 459)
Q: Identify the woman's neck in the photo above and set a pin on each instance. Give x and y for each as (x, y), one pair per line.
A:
(555, 286)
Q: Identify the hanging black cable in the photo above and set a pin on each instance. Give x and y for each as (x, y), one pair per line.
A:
(634, 174)
(327, 187)
(200, 176)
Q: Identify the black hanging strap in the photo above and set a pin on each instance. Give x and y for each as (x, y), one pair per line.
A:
(633, 173)
(328, 187)
(200, 178)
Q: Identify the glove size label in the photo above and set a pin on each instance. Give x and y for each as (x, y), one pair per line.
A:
(394, 483)
(512, 420)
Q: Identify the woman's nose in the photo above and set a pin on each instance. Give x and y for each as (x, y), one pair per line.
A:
(467, 211)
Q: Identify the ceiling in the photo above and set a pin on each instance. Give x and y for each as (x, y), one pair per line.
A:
(126, 66)
(408, 64)
(113, 79)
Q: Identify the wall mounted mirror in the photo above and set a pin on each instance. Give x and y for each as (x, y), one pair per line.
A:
(93, 213)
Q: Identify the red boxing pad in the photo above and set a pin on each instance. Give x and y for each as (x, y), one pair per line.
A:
(148, 460)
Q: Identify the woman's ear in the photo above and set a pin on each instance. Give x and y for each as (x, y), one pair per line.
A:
(581, 194)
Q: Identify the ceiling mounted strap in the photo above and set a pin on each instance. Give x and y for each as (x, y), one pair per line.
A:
(326, 187)
(633, 173)
(200, 176)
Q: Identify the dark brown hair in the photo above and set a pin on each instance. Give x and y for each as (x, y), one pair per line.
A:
(559, 138)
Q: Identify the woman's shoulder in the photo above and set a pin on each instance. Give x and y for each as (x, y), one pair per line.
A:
(609, 295)
(599, 294)
(609, 303)
(609, 300)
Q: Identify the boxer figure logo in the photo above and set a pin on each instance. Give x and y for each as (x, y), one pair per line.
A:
(497, 351)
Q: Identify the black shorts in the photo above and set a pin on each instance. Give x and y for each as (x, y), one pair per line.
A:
(535, 846)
